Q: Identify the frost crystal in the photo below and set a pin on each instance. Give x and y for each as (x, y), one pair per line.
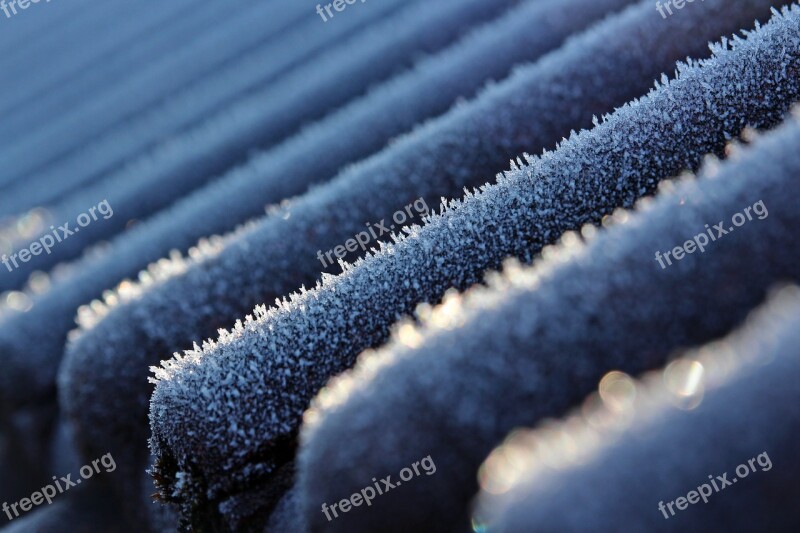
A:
(585, 178)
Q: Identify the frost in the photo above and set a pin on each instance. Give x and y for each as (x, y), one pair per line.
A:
(355, 131)
(538, 339)
(622, 460)
(615, 163)
(181, 163)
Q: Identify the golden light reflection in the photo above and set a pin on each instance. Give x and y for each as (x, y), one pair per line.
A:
(125, 288)
(409, 336)
(335, 392)
(684, 380)
(494, 475)
(19, 301)
(618, 391)
(32, 223)
(596, 414)
(39, 282)
(447, 315)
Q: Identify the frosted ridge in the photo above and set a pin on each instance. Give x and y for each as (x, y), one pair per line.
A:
(539, 339)
(626, 154)
(747, 399)
(199, 155)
